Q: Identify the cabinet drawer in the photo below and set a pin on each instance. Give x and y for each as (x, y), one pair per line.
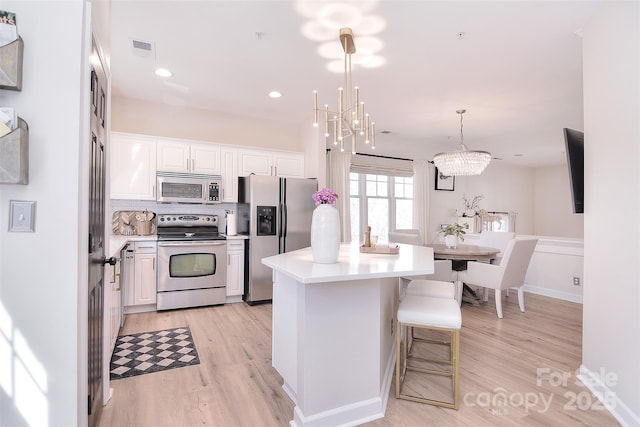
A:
(235, 245)
(146, 247)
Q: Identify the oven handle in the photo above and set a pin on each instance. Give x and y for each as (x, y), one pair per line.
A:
(194, 242)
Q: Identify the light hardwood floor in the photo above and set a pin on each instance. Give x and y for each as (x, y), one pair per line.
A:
(235, 385)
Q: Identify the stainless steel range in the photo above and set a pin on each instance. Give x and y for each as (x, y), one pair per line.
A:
(192, 261)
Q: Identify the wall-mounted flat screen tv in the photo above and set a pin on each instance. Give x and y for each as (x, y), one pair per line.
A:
(574, 143)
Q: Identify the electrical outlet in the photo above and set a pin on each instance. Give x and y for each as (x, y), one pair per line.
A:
(576, 281)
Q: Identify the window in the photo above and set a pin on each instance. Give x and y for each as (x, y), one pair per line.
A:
(381, 201)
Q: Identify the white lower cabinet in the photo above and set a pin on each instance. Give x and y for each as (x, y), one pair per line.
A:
(114, 278)
(235, 267)
(141, 295)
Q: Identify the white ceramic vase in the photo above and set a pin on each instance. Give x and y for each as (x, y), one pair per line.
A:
(451, 241)
(325, 234)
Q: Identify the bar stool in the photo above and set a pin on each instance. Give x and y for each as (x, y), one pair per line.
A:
(429, 313)
(431, 288)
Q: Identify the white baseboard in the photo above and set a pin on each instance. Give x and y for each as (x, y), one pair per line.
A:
(566, 296)
(617, 408)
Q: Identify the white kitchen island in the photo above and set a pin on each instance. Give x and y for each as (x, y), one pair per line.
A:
(333, 330)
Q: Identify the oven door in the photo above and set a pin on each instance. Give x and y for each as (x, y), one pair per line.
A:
(191, 265)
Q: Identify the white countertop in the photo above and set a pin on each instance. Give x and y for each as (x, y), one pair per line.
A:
(353, 265)
(235, 237)
(116, 242)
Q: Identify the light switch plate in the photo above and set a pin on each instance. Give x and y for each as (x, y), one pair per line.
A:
(22, 216)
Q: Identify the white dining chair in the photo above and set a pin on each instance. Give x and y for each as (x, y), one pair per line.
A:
(510, 273)
(496, 239)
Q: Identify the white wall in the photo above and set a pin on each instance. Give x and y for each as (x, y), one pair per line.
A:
(611, 324)
(553, 208)
(41, 273)
(148, 118)
(504, 187)
(554, 264)
(540, 196)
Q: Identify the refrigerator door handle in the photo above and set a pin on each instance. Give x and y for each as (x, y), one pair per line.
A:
(283, 218)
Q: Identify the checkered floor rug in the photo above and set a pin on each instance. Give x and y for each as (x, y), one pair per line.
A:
(147, 352)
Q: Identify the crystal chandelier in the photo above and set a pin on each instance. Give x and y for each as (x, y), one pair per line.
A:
(463, 161)
(350, 120)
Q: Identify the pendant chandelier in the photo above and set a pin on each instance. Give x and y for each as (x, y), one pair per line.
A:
(463, 161)
(350, 120)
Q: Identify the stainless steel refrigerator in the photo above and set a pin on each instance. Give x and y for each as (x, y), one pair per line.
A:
(276, 215)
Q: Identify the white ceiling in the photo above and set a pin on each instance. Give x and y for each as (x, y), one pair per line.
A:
(517, 70)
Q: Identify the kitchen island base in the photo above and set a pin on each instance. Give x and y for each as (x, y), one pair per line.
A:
(333, 344)
(333, 335)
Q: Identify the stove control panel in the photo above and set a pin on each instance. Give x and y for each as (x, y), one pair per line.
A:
(186, 220)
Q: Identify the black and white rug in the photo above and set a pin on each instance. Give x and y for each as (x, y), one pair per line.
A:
(147, 352)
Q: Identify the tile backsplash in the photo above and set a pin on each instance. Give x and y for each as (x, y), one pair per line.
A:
(175, 208)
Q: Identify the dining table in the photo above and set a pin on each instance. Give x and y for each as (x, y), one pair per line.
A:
(459, 256)
(463, 252)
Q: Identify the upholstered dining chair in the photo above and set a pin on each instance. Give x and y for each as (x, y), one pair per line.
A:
(496, 239)
(510, 273)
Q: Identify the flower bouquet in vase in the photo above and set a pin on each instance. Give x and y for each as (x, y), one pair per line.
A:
(325, 227)
(453, 233)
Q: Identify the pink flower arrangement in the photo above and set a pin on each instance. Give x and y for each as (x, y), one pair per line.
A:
(326, 196)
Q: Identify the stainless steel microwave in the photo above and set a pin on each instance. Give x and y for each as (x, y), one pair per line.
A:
(188, 188)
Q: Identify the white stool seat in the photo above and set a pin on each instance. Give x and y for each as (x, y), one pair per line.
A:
(431, 288)
(429, 311)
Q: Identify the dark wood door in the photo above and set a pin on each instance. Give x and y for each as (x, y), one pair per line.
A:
(96, 239)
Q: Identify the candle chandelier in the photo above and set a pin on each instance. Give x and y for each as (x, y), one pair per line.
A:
(350, 120)
(463, 161)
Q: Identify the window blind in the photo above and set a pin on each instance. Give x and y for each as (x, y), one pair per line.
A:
(378, 165)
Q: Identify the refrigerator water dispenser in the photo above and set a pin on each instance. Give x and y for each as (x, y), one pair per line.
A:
(266, 221)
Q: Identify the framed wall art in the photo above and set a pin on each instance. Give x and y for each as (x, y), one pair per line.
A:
(444, 182)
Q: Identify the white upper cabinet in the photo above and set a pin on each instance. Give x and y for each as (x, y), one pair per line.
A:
(275, 163)
(133, 167)
(135, 159)
(229, 166)
(289, 165)
(189, 157)
(254, 162)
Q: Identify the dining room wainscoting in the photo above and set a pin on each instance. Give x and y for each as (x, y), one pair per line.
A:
(555, 263)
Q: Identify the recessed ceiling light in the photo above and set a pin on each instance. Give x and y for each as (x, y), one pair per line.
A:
(275, 94)
(163, 72)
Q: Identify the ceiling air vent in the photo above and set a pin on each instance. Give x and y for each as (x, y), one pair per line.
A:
(143, 49)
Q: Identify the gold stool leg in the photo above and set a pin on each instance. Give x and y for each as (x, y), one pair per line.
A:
(402, 355)
(455, 355)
